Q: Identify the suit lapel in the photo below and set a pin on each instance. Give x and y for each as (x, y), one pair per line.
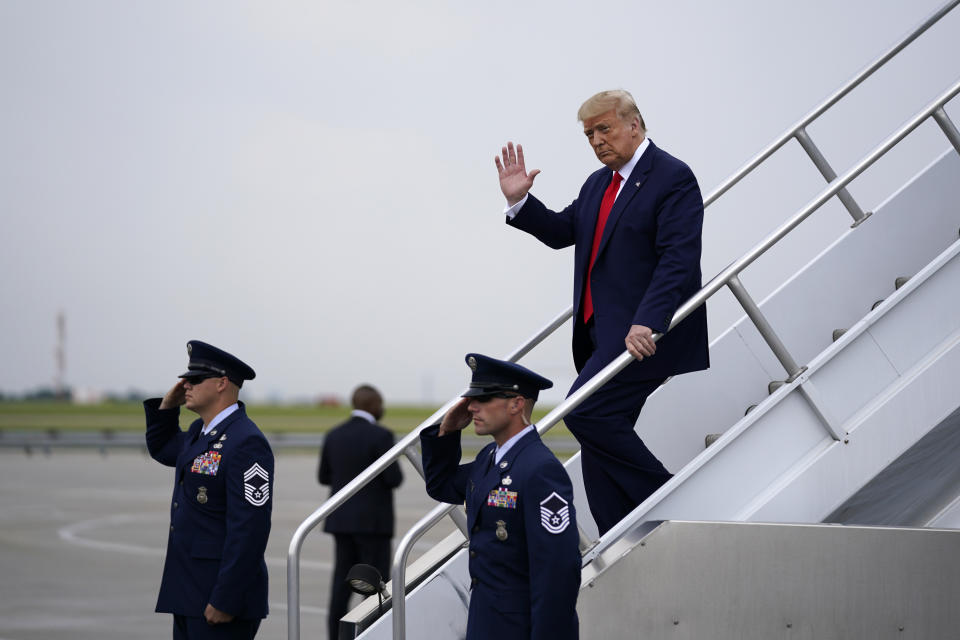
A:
(515, 451)
(483, 474)
(630, 188)
(222, 427)
(202, 442)
(591, 209)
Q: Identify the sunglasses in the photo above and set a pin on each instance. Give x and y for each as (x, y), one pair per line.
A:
(195, 380)
(488, 398)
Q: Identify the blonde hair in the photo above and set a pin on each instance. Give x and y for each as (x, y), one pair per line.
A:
(617, 99)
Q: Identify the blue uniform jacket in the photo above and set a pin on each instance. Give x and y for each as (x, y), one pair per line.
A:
(219, 515)
(525, 585)
(647, 265)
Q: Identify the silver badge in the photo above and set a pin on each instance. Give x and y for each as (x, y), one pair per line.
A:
(507, 481)
(189, 349)
(472, 362)
(503, 465)
(219, 445)
(213, 433)
(501, 530)
(223, 437)
(202, 495)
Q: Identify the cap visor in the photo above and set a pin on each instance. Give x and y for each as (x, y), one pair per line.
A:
(475, 393)
(197, 372)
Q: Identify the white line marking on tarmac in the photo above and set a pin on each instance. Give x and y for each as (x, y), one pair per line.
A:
(72, 534)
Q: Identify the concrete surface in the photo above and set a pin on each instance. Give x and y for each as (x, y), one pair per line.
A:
(83, 536)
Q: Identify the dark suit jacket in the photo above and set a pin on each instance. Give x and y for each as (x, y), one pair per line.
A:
(647, 265)
(347, 451)
(219, 515)
(525, 585)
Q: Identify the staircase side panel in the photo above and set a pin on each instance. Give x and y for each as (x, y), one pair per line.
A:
(738, 581)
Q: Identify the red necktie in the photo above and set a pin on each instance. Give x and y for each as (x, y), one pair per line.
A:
(605, 206)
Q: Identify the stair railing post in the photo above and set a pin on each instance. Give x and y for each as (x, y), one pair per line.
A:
(823, 166)
(949, 129)
(766, 330)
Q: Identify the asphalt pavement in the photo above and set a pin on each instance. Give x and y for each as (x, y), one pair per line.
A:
(83, 535)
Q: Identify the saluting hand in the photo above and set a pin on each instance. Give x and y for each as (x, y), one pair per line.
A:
(457, 418)
(175, 397)
(640, 342)
(515, 182)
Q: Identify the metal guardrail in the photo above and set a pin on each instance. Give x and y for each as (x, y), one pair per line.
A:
(729, 277)
(798, 130)
(48, 439)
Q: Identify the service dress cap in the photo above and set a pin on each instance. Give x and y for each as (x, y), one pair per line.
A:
(492, 376)
(208, 360)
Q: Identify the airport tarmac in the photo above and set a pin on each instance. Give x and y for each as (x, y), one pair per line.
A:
(83, 536)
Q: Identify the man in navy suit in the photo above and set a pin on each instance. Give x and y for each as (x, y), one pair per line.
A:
(636, 229)
(524, 555)
(214, 578)
(363, 525)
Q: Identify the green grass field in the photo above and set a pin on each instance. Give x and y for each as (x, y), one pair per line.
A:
(128, 416)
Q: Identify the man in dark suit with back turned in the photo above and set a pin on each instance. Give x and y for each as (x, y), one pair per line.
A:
(636, 229)
(363, 525)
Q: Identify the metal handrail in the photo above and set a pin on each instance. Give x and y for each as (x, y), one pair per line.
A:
(819, 110)
(727, 277)
(398, 572)
(837, 186)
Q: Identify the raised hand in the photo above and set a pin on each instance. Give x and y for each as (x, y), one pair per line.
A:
(515, 182)
(175, 397)
(457, 418)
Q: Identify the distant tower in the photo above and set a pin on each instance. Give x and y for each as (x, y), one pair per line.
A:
(60, 354)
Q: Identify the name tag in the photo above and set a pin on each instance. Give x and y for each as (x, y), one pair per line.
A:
(207, 464)
(502, 498)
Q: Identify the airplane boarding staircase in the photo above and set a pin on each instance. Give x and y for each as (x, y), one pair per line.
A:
(836, 399)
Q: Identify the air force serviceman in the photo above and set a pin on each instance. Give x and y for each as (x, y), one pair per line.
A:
(214, 578)
(524, 556)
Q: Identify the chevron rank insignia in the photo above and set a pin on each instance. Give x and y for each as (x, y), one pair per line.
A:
(256, 485)
(554, 513)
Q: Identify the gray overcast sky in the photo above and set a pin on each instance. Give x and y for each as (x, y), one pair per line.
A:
(310, 185)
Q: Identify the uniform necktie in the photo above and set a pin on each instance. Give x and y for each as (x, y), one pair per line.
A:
(605, 206)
